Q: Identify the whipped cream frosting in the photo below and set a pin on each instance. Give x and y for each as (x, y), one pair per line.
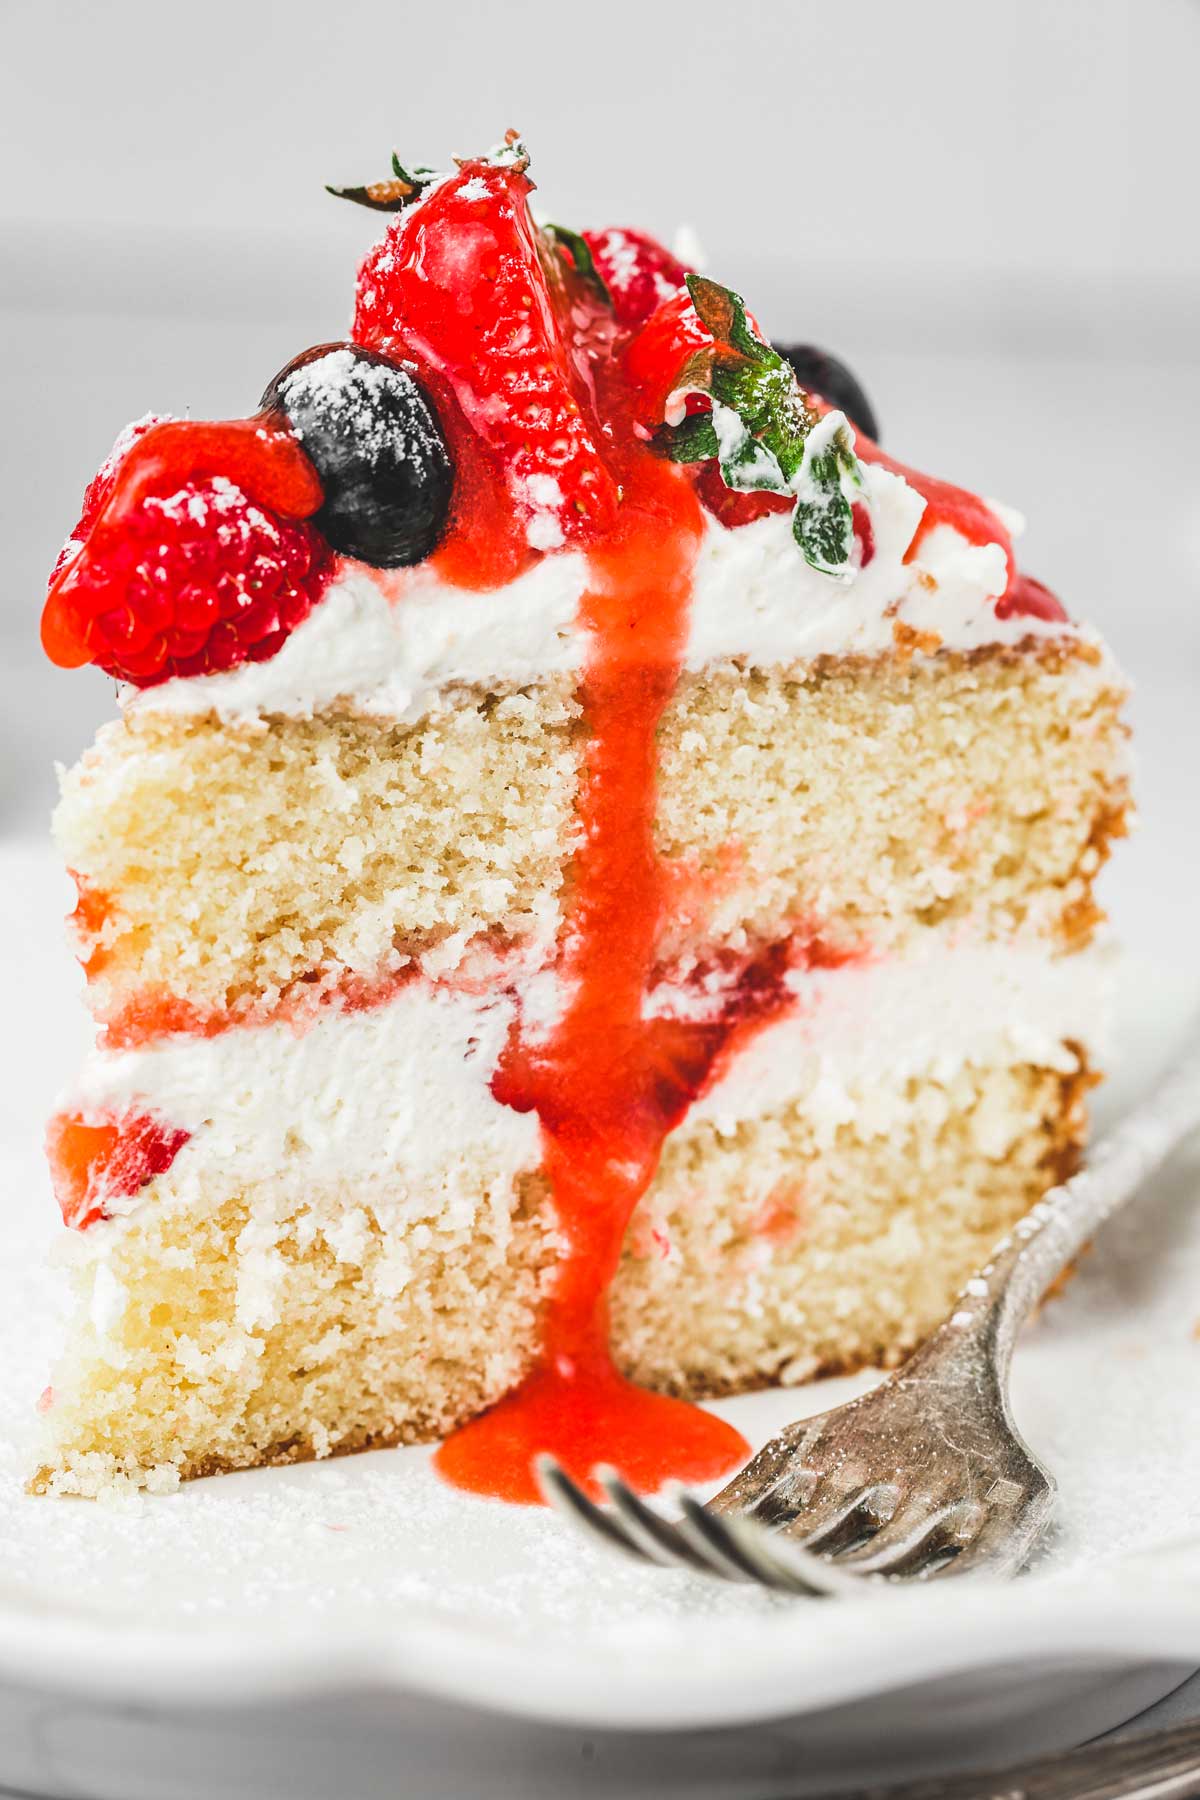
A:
(402, 1093)
(388, 643)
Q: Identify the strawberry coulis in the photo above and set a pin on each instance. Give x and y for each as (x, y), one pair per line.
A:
(598, 1084)
(973, 519)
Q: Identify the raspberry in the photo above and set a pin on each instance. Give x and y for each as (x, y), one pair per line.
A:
(100, 487)
(639, 272)
(95, 1159)
(195, 583)
(188, 556)
(506, 347)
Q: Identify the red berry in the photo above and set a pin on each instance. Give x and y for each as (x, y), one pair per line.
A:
(115, 584)
(656, 358)
(97, 1158)
(732, 507)
(194, 582)
(458, 283)
(99, 488)
(638, 271)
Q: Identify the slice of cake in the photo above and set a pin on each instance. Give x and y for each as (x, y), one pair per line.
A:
(588, 902)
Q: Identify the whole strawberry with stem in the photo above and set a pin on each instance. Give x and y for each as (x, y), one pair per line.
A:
(464, 283)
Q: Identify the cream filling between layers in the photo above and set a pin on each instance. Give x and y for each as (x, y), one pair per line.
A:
(388, 643)
(396, 1102)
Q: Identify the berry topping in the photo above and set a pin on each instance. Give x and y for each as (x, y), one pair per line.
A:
(507, 351)
(100, 487)
(97, 1159)
(753, 420)
(374, 439)
(820, 372)
(638, 272)
(195, 556)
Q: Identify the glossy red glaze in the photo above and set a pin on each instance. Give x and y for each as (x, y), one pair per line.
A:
(504, 350)
(1028, 598)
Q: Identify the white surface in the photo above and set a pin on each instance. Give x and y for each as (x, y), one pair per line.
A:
(367, 1576)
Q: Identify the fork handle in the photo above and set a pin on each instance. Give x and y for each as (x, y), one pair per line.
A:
(1156, 1765)
(1049, 1238)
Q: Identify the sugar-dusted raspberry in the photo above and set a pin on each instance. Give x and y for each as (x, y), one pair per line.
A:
(638, 271)
(100, 487)
(96, 1159)
(197, 582)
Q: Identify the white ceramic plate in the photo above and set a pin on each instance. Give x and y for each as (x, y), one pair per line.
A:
(351, 1603)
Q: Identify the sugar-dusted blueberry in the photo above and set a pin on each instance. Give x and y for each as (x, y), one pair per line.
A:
(375, 440)
(823, 373)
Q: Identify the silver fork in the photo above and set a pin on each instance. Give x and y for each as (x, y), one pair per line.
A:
(926, 1474)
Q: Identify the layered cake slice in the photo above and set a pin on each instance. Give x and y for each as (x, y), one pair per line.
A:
(588, 901)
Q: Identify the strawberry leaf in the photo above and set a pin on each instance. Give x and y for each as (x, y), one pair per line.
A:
(579, 257)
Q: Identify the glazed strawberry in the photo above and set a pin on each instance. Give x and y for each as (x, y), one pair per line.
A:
(657, 358)
(97, 1159)
(504, 348)
(638, 271)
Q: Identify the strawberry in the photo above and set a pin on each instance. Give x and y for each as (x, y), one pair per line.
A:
(460, 283)
(98, 1158)
(656, 359)
(638, 272)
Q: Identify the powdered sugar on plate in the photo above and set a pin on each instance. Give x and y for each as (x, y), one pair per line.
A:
(356, 1558)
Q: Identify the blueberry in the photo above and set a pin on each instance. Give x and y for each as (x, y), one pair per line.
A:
(826, 375)
(374, 438)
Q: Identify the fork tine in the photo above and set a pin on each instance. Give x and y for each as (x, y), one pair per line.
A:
(751, 1547)
(1001, 1542)
(837, 1524)
(568, 1498)
(658, 1540)
(915, 1537)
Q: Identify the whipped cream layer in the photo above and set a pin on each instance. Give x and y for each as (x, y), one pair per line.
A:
(401, 1095)
(389, 642)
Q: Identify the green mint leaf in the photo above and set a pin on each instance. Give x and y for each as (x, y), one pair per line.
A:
(763, 431)
(694, 439)
(747, 465)
(580, 257)
(829, 480)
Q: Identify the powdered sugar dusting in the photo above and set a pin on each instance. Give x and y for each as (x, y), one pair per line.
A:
(348, 394)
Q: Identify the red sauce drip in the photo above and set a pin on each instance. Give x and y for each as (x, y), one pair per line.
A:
(972, 518)
(609, 1084)
(1030, 599)
(945, 504)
